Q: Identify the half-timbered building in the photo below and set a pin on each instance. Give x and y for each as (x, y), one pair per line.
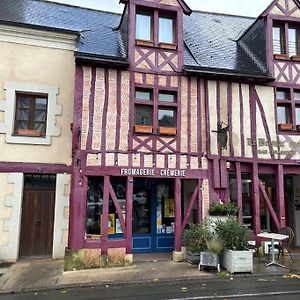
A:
(174, 109)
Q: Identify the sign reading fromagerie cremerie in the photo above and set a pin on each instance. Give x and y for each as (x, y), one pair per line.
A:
(153, 172)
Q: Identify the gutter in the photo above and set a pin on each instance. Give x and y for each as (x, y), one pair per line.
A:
(102, 59)
(222, 72)
(40, 27)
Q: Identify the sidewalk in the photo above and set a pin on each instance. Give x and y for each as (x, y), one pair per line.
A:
(37, 275)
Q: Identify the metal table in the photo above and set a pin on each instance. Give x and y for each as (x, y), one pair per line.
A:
(273, 237)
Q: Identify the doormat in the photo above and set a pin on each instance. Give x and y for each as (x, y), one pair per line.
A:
(5, 265)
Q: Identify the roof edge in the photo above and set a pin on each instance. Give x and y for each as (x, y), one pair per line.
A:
(102, 58)
(224, 72)
(186, 9)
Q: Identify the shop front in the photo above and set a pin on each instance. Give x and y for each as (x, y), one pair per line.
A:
(145, 213)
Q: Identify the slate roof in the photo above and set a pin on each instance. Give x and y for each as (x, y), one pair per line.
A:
(96, 28)
(210, 39)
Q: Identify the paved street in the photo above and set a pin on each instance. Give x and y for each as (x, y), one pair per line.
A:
(236, 288)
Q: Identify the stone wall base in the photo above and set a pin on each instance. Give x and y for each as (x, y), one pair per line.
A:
(91, 258)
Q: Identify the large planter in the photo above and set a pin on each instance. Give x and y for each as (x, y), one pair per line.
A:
(192, 257)
(237, 261)
(209, 259)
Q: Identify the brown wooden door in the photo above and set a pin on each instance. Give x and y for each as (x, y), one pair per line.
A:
(37, 223)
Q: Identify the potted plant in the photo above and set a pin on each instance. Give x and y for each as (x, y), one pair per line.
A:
(236, 257)
(195, 237)
(220, 211)
(210, 257)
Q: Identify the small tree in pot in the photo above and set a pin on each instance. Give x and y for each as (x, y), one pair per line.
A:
(236, 257)
(195, 237)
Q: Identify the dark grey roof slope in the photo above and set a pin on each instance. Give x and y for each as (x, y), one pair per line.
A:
(97, 37)
(210, 39)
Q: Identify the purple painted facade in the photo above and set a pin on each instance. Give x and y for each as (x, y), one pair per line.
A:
(105, 141)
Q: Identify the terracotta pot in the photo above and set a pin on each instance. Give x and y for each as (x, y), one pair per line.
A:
(142, 129)
(285, 126)
(280, 56)
(144, 43)
(167, 130)
(295, 58)
(29, 132)
(168, 46)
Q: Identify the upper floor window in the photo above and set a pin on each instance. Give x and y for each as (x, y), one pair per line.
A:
(30, 115)
(278, 40)
(166, 30)
(288, 108)
(155, 111)
(155, 29)
(293, 34)
(286, 44)
(143, 29)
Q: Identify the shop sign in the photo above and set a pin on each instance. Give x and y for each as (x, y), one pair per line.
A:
(153, 172)
(279, 147)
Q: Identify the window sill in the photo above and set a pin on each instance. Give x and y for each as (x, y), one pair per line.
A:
(29, 132)
(144, 43)
(285, 127)
(168, 46)
(295, 58)
(167, 130)
(142, 129)
(281, 56)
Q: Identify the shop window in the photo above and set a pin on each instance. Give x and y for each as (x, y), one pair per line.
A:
(155, 112)
(288, 108)
(31, 115)
(155, 28)
(94, 208)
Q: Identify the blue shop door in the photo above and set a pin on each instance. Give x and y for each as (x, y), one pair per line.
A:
(153, 215)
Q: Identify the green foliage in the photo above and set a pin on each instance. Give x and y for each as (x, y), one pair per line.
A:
(214, 245)
(232, 234)
(223, 275)
(220, 209)
(195, 236)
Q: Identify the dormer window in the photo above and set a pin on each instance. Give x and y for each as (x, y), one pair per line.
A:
(278, 40)
(166, 30)
(155, 29)
(286, 45)
(143, 29)
(294, 40)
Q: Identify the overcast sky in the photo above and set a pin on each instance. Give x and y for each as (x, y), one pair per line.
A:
(251, 8)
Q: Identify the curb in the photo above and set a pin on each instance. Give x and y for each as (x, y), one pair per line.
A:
(208, 277)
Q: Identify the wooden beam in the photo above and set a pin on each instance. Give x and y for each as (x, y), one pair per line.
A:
(280, 196)
(269, 206)
(239, 190)
(178, 231)
(255, 199)
(129, 196)
(200, 202)
(104, 220)
(190, 207)
(118, 208)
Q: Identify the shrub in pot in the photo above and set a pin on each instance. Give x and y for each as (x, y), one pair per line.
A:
(236, 257)
(194, 238)
(221, 211)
